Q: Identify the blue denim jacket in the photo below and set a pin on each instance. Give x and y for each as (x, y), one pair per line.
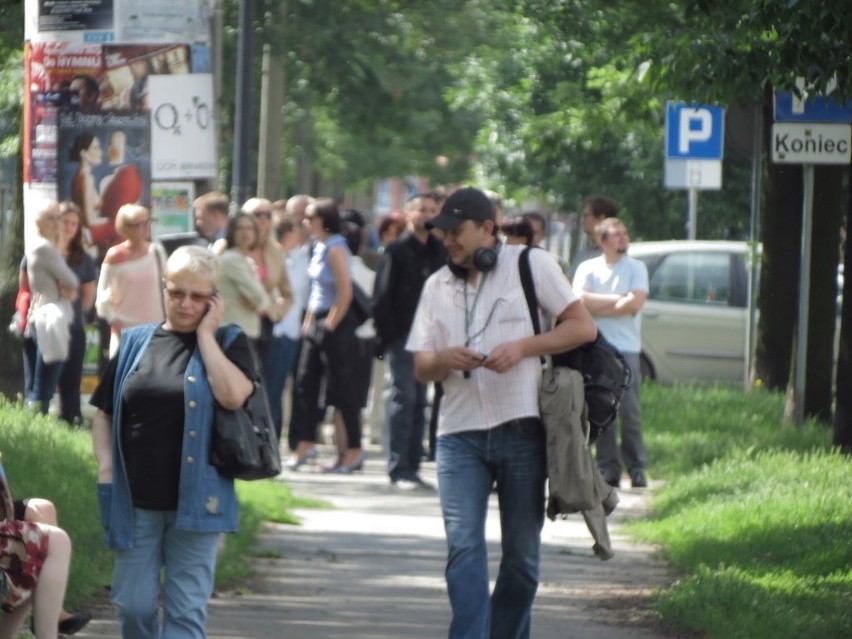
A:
(207, 502)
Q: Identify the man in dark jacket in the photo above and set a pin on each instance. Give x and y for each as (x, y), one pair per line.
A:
(403, 268)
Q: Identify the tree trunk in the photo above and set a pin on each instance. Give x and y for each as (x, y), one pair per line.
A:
(822, 320)
(779, 277)
(843, 407)
(822, 306)
(11, 372)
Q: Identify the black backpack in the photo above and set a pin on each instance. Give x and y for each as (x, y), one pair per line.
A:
(606, 374)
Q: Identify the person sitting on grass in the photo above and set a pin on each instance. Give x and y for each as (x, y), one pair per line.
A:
(34, 561)
(43, 511)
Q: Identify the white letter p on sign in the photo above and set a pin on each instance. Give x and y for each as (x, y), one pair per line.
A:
(696, 125)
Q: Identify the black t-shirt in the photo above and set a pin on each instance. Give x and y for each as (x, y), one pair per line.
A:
(153, 413)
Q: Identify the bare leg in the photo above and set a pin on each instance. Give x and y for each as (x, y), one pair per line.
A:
(10, 622)
(50, 588)
(40, 511)
(341, 439)
(43, 511)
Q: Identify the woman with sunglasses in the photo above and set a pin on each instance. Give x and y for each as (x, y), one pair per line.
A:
(163, 505)
(129, 286)
(329, 341)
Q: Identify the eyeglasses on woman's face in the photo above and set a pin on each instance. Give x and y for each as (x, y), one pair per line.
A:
(140, 223)
(264, 214)
(196, 297)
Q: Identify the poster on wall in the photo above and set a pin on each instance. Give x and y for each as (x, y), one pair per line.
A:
(128, 67)
(97, 74)
(59, 76)
(171, 204)
(148, 21)
(104, 161)
(70, 20)
(183, 143)
(164, 21)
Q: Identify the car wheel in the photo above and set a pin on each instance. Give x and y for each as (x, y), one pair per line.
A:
(646, 369)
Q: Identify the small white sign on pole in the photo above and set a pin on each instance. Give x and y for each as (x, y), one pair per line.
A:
(693, 174)
(806, 143)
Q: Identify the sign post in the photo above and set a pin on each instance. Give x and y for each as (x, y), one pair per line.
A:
(694, 145)
(807, 144)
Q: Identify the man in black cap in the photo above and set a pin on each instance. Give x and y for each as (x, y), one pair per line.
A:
(473, 333)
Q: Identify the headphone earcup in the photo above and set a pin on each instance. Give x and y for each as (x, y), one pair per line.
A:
(485, 259)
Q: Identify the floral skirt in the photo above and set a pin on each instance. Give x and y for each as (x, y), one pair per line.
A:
(23, 549)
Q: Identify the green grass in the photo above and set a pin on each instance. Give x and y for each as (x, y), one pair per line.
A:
(756, 515)
(44, 457)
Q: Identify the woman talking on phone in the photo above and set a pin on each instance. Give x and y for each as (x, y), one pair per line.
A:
(163, 506)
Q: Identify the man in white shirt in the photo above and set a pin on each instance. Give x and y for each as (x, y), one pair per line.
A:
(473, 333)
(614, 287)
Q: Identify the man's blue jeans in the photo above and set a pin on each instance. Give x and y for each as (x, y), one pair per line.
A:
(188, 561)
(511, 455)
(405, 414)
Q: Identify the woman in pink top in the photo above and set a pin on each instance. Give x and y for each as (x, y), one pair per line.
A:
(130, 284)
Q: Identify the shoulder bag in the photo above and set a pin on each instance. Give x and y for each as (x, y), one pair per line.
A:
(606, 374)
(243, 444)
(362, 306)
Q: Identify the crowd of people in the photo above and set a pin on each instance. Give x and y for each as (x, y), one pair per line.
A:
(447, 368)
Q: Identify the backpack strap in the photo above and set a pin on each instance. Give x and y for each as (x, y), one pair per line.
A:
(528, 284)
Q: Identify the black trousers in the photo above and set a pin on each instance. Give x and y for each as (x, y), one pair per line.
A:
(327, 375)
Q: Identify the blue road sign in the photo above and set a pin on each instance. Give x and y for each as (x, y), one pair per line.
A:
(789, 108)
(694, 131)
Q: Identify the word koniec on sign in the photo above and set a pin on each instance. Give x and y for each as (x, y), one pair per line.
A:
(811, 143)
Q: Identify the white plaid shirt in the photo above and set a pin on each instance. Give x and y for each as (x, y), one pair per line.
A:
(487, 399)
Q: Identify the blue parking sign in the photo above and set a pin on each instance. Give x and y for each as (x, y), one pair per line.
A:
(694, 131)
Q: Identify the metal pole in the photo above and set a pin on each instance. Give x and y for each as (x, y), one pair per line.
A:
(754, 237)
(804, 295)
(218, 32)
(242, 113)
(693, 213)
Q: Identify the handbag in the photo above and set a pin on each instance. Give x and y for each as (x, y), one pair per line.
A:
(362, 306)
(606, 374)
(244, 444)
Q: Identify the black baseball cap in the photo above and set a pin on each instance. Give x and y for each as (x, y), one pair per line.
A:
(465, 204)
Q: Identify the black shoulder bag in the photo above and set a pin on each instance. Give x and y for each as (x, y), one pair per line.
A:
(606, 374)
(244, 444)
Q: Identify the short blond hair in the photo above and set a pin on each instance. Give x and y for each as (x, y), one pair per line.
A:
(194, 260)
(126, 213)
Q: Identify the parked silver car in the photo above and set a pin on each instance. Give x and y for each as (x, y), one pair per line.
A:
(695, 319)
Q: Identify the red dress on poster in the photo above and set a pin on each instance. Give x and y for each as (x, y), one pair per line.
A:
(123, 187)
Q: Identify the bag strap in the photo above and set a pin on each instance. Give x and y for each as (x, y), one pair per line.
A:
(161, 271)
(529, 292)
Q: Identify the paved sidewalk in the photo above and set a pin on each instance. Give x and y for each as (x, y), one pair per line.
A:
(373, 568)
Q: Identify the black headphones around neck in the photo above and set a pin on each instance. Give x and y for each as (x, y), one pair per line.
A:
(484, 259)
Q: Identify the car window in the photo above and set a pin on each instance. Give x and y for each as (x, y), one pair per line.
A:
(699, 278)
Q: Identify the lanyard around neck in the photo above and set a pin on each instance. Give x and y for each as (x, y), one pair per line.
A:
(468, 312)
